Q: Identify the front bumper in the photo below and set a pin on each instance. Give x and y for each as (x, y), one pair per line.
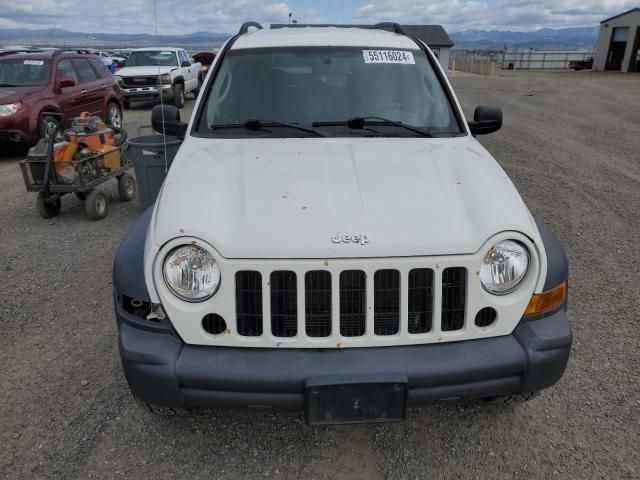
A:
(134, 94)
(162, 370)
(16, 137)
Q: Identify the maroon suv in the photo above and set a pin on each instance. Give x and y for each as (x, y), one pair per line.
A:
(36, 88)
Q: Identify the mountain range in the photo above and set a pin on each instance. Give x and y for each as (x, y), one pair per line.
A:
(547, 38)
(59, 37)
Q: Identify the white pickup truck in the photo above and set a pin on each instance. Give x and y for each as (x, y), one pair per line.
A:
(159, 73)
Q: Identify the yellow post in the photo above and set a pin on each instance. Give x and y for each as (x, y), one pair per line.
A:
(453, 68)
(493, 68)
(481, 67)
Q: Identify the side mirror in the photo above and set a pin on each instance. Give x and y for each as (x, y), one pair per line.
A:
(486, 119)
(185, 64)
(165, 119)
(66, 82)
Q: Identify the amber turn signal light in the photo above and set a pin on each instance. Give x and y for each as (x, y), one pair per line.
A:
(547, 300)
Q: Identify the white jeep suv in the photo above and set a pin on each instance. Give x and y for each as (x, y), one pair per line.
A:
(332, 239)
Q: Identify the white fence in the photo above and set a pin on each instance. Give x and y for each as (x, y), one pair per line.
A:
(487, 63)
(537, 59)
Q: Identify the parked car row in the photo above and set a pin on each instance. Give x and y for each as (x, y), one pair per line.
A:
(38, 86)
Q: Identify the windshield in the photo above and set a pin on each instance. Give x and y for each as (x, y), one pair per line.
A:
(326, 86)
(148, 58)
(24, 73)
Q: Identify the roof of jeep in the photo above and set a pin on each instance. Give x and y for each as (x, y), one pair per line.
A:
(323, 37)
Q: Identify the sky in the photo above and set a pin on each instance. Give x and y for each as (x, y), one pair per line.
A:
(225, 16)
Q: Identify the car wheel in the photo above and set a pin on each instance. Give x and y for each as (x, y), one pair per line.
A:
(96, 205)
(48, 208)
(114, 115)
(178, 95)
(126, 104)
(126, 187)
(197, 90)
(47, 126)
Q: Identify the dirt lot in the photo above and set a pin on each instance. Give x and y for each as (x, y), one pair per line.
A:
(571, 144)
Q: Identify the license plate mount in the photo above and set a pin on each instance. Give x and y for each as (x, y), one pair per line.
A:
(338, 400)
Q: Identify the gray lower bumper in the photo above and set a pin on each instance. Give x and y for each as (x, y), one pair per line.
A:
(148, 93)
(162, 370)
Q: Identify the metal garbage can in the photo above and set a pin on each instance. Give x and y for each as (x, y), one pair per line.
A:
(151, 156)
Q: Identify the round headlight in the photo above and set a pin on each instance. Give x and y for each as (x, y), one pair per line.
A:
(191, 273)
(504, 266)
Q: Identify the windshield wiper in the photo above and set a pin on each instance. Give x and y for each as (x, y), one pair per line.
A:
(359, 123)
(255, 125)
(8, 85)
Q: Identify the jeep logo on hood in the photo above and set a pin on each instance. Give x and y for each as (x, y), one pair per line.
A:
(361, 239)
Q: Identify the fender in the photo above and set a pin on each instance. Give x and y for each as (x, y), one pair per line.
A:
(557, 262)
(36, 111)
(128, 265)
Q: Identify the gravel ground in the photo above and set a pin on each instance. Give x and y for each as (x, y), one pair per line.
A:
(570, 143)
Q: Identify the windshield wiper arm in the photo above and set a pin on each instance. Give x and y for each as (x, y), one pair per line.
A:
(256, 125)
(359, 123)
(7, 85)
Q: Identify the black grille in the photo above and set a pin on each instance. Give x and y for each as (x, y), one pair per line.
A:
(317, 296)
(142, 81)
(353, 303)
(420, 287)
(386, 300)
(454, 294)
(249, 303)
(214, 324)
(284, 304)
(485, 317)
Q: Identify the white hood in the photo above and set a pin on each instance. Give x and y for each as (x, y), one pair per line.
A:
(287, 198)
(144, 71)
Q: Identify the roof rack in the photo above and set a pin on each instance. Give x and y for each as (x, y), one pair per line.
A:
(395, 27)
(20, 51)
(246, 25)
(72, 50)
(387, 26)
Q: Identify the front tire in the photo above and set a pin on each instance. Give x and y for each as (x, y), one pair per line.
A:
(96, 205)
(196, 92)
(47, 125)
(114, 115)
(178, 95)
(46, 207)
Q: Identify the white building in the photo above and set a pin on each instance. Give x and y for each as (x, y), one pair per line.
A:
(618, 43)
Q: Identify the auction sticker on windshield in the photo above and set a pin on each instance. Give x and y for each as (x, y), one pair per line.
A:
(388, 56)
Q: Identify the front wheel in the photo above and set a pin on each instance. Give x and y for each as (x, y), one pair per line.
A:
(48, 125)
(114, 115)
(48, 207)
(178, 95)
(96, 205)
(197, 90)
(126, 187)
